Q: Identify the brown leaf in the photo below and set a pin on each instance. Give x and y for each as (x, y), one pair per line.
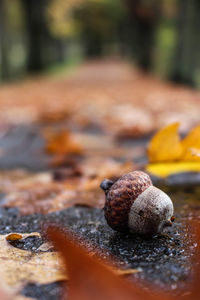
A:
(120, 272)
(93, 278)
(63, 143)
(3, 294)
(19, 266)
(13, 237)
(41, 194)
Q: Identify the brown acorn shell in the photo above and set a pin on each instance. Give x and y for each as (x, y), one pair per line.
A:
(121, 196)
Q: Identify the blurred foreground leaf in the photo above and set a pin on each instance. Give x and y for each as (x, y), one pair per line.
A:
(90, 278)
(102, 283)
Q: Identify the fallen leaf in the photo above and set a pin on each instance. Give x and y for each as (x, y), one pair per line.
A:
(36, 198)
(63, 143)
(195, 152)
(112, 96)
(121, 272)
(20, 297)
(19, 266)
(165, 145)
(3, 294)
(17, 236)
(41, 194)
(100, 282)
(13, 237)
(169, 168)
(192, 140)
(45, 247)
(169, 155)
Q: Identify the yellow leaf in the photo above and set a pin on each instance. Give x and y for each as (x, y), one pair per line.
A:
(166, 169)
(165, 145)
(195, 152)
(190, 142)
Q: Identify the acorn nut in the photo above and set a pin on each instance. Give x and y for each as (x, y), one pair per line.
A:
(134, 204)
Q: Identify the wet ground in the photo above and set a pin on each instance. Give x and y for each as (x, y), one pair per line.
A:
(102, 99)
(163, 260)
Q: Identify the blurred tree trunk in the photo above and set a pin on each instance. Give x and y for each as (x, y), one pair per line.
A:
(43, 49)
(144, 18)
(186, 63)
(61, 50)
(37, 33)
(93, 45)
(4, 63)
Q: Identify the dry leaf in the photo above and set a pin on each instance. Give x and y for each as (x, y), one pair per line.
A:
(165, 145)
(40, 194)
(13, 237)
(100, 282)
(20, 297)
(19, 266)
(3, 293)
(169, 168)
(45, 247)
(195, 152)
(109, 95)
(63, 143)
(192, 140)
(120, 272)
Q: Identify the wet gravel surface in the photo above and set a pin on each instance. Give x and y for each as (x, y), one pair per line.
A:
(163, 259)
(50, 291)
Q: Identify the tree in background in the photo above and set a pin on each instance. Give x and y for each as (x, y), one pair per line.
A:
(43, 47)
(100, 25)
(3, 42)
(187, 56)
(37, 33)
(144, 19)
(94, 22)
(162, 36)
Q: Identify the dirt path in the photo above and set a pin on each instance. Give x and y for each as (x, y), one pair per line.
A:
(109, 95)
(60, 137)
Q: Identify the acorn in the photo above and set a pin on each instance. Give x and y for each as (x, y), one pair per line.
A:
(134, 204)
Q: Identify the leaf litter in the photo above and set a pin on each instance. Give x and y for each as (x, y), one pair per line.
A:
(114, 111)
(19, 266)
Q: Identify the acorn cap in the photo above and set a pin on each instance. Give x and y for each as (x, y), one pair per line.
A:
(121, 196)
